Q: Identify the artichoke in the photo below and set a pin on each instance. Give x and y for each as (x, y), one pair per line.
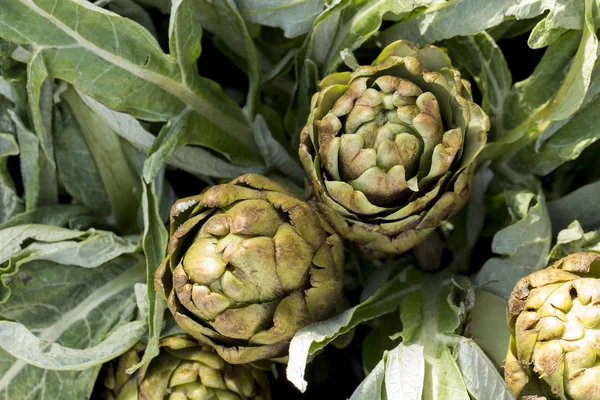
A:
(183, 370)
(389, 148)
(554, 319)
(248, 265)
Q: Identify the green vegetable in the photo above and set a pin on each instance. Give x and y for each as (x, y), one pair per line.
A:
(183, 370)
(554, 316)
(389, 149)
(248, 265)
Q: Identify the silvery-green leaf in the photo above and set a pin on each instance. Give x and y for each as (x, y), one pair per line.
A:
(461, 18)
(581, 205)
(523, 245)
(10, 203)
(62, 331)
(294, 17)
(481, 377)
(93, 165)
(188, 158)
(157, 86)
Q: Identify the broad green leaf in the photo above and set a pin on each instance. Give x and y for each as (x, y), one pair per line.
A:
(124, 68)
(26, 243)
(461, 18)
(487, 325)
(404, 369)
(483, 60)
(13, 239)
(188, 158)
(59, 215)
(479, 374)
(564, 15)
(29, 158)
(564, 140)
(6, 89)
(372, 386)
(93, 164)
(581, 205)
(524, 244)
(294, 17)
(554, 92)
(235, 39)
(10, 203)
(573, 239)
(316, 336)
(379, 339)
(426, 367)
(39, 93)
(274, 154)
(67, 324)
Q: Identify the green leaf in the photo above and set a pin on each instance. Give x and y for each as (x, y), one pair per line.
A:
(524, 244)
(274, 154)
(460, 18)
(10, 203)
(564, 140)
(294, 17)
(39, 93)
(67, 324)
(125, 68)
(316, 336)
(424, 365)
(572, 240)
(59, 215)
(188, 158)
(480, 376)
(487, 325)
(581, 205)
(565, 15)
(554, 92)
(64, 246)
(93, 165)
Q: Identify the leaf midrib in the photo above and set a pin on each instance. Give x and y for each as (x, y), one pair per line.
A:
(176, 88)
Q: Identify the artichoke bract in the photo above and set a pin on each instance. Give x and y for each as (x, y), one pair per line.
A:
(389, 148)
(248, 265)
(183, 370)
(554, 319)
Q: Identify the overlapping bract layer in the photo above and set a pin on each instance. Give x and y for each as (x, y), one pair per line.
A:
(389, 148)
(184, 370)
(554, 318)
(248, 265)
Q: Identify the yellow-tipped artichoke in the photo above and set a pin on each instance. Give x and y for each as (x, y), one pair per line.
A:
(184, 370)
(554, 318)
(248, 265)
(389, 148)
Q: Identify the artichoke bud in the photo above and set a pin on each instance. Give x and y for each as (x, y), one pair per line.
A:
(554, 318)
(248, 265)
(183, 370)
(389, 149)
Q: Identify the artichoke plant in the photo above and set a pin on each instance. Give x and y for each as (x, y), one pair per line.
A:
(184, 370)
(389, 148)
(248, 265)
(554, 319)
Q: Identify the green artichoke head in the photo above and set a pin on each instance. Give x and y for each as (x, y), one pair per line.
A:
(554, 318)
(389, 148)
(184, 370)
(248, 265)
